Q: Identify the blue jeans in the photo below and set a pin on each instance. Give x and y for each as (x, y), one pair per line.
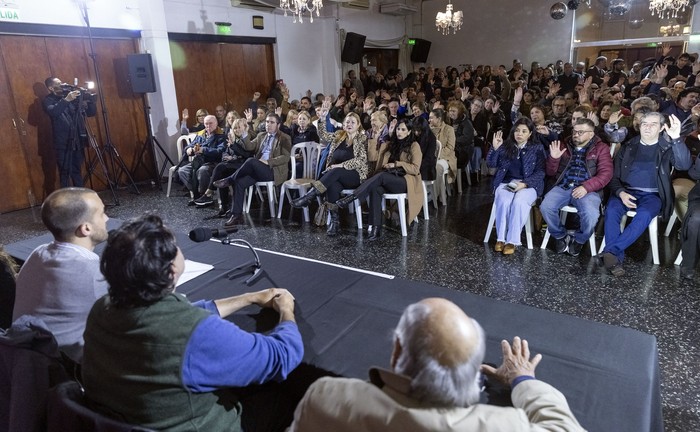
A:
(588, 209)
(648, 207)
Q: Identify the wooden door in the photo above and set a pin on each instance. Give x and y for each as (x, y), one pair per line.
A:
(69, 59)
(16, 185)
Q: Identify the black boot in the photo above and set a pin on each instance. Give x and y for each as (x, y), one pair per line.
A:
(346, 201)
(304, 201)
(334, 225)
(376, 233)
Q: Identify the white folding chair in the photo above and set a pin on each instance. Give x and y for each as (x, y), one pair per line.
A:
(564, 211)
(401, 201)
(679, 258)
(300, 182)
(492, 224)
(432, 184)
(182, 142)
(271, 196)
(445, 173)
(653, 235)
(671, 222)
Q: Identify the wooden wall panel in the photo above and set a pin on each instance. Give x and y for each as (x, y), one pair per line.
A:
(15, 183)
(200, 83)
(236, 71)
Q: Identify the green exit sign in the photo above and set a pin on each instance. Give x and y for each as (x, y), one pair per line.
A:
(411, 41)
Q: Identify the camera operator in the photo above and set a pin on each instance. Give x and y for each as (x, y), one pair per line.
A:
(64, 104)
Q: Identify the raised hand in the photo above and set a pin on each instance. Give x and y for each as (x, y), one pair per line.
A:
(555, 150)
(325, 107)
(544, 130)
(587, 83)
(592, 116)
(615, 117)
(392, 126)
(367, 105)
(497, 140)
(660, 71)
(496, 107)
(185, 114)
(278, 111)
(674, 129)
(517, 96)
(248, 113)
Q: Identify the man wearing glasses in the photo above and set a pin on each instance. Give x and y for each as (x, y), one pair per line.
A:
(582, 167)
(642, 182)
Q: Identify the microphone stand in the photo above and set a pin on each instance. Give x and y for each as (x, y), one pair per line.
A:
(255, 266)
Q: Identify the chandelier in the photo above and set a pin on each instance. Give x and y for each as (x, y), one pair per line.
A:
(298, 7)
(448, 19)
(667, 8)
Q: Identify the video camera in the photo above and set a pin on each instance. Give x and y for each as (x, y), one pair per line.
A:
(85, 91)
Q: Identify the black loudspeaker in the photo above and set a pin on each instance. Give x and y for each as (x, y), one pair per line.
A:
(141, 73)
(352, 50)
(419, 53)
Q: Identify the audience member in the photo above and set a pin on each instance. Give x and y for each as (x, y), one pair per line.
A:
(206, 149)
(239, 148)
(447, 162)
(519, 180)
(346, 165)
(397, 171)
(61, 280)
(581, 167)
(434, 384)
(642, 182)
(220, 113)
(270, 163)
(176, 361)
(200, 115)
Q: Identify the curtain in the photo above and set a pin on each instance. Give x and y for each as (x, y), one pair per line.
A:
(400, 42)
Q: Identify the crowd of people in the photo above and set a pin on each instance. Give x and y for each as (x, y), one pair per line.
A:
(181, 365)
(554, 136)
(562, 135)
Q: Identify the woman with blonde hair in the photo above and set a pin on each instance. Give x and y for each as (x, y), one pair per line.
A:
(376, 136)
(346, 164)
(199, 121)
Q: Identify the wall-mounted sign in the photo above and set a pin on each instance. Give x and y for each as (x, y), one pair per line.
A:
(9, 14)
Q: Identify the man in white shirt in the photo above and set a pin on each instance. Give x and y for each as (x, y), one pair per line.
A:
(61, 280)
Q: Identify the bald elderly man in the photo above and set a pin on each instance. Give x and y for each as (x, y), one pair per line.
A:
(434, 384)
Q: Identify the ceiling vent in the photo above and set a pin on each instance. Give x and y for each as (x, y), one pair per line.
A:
(263, 5)
(399, 9)
(356, 4)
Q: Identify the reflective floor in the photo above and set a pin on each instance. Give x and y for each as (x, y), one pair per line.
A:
(448, 250)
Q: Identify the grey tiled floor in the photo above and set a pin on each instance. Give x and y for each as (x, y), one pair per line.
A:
(448, 250)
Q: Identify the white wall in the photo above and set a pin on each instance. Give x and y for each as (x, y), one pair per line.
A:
(500, 31)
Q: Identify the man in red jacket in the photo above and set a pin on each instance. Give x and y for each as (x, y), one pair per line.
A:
(582, 168)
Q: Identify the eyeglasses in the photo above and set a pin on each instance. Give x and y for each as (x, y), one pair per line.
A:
(580, 132)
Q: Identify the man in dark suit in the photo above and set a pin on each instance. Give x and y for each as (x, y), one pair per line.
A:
(270, 163)
(597, 71)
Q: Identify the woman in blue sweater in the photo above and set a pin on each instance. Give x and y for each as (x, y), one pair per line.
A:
(519, 180)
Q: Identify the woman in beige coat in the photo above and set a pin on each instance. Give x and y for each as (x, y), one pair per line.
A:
(397, 171)
(445, 134)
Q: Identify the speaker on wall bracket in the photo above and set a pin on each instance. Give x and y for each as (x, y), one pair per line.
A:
(419, 53)
(141, 73)
(353, 47)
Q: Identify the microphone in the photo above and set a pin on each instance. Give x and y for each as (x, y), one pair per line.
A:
(255, 266)
(202, 234)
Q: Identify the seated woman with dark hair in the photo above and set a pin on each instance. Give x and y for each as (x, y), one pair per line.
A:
(153, 359)
(346, 164)
(518, 181)
(397, 171)
(428, 147)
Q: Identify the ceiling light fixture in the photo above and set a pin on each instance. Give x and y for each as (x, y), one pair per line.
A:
(444, 21)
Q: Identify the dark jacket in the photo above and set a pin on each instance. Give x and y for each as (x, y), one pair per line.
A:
(598, 164)
(212, 146)
(63, 117)
(533, 157)
(428, 165)
(670, 154)
(464, 140)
